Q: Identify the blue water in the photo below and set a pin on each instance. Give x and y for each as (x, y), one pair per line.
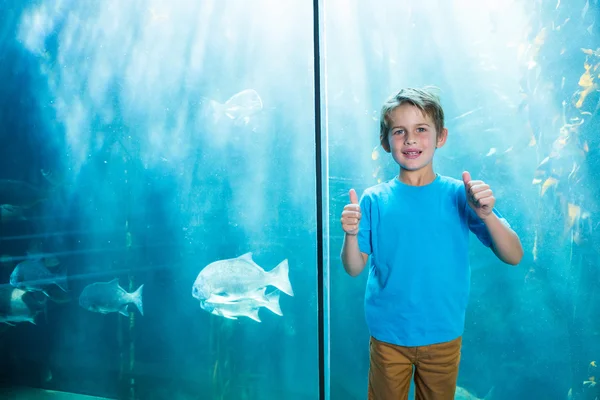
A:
(137, 127)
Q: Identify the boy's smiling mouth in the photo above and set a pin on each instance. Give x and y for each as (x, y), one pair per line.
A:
(412, 153)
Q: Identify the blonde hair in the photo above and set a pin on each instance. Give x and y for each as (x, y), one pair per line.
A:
(424, 98)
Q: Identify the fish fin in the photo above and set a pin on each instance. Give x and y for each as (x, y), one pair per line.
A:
(273, 302)
(279, 277)
(62, 284)
(229, 316)
(218, 299)
(51, 261)
(136, 298)
(33, 255)
(489, 395)
(123, 311)
(114, 282)
(253, 314)
(246, 256)
(35, 314)
(61, 281)
(259, 294)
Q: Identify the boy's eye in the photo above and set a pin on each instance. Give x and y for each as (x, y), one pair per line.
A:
(399, 131)
(421, 129)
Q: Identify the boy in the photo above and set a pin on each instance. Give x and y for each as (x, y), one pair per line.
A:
(416, 228)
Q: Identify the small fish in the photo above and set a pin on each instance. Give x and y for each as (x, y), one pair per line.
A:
(223, 307)
(13, 319)
(8, 212)
(236, 278)
(107, 297)
(33, 276)
(239, 107)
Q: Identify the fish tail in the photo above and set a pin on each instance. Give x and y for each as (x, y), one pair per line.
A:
(136, 298)
(279, 277)
(253, 314)
(273, 302)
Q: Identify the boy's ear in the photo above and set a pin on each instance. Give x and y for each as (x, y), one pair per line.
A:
(441, 138)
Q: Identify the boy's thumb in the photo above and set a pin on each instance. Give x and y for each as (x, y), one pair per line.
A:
(353, 197)
(466, 176)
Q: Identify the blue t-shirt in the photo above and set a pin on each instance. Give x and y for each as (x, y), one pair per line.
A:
(419, 277)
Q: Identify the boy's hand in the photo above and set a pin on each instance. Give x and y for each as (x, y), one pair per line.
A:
(351, 215)
(479, 195)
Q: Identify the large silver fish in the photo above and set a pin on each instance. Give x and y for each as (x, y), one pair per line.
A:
(249, 307)
(107, 297)
(239, 278)
(33, 276)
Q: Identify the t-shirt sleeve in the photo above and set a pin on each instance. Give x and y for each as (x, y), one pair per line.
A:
(476, 224)
(364, 226)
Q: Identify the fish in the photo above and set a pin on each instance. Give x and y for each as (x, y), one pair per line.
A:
(463, 394)
(8, 212)
(237, 278)
(108, 297)
(13, 319)
(32, 275)
(239, 107)
(17, 309)
(222, 306)
(258, 295)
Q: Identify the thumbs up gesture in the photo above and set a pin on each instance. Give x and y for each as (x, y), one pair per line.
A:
(351, 215)
(479, 195)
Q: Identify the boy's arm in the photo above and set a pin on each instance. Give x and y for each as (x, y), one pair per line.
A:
(353, 259)
(506, 244)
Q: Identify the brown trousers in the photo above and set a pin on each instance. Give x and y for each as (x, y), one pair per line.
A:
(391, 368)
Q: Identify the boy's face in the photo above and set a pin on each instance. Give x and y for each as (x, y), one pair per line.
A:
(412, 137)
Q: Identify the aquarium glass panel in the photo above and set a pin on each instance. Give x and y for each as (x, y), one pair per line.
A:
(518, 82)
(158, 194)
